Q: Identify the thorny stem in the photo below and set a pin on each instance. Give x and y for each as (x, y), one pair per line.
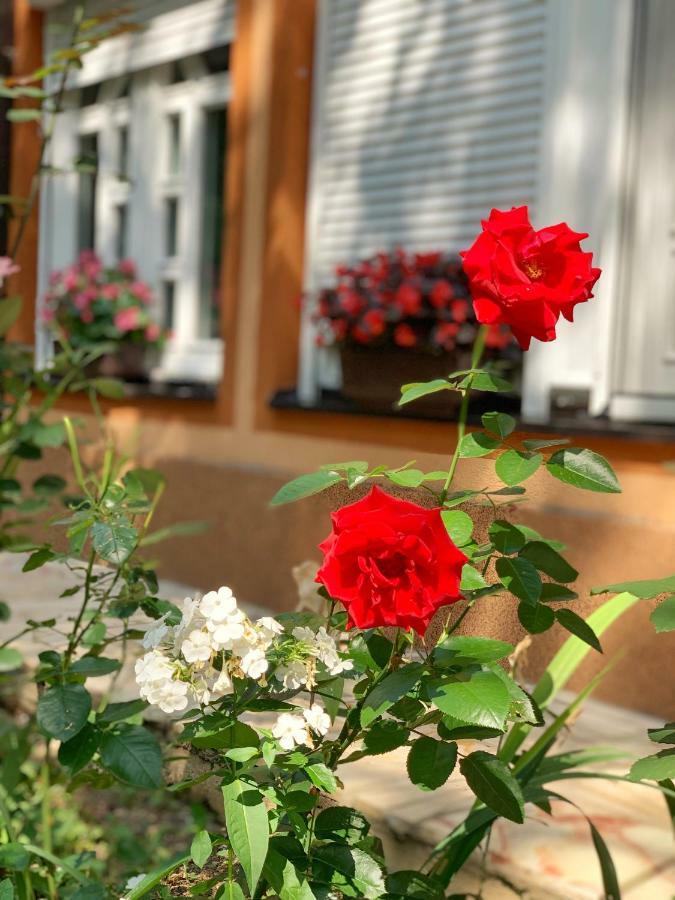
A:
(478, 347)
(73, 640)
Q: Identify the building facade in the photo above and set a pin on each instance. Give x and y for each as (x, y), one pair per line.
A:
(245, 147)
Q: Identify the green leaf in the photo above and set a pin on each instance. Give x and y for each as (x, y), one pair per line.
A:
(665, 735)
(10, 659)
(578, 627)
(62, 710)
(200, 849)
(406, 477)
(322, 777)
(385, 736)
(466, 648)
(654, 768)
(486, 381)
(609, 878)
(6, 889)
(46, 485)
(113, 541)
(493, 783)
(506, 537)
(178, 529)
(356, 873)
(430, 762)
(305, 486)
(551, 592)
(38, 559)
(645, 590)
(663, 617)
(535, 619)
(536, 444)
(455, 498)
(409, 883)
(476, 443)
(512, 466)
(10, 309)
(133, 755)
(472, 580)
(78, 751)
(417, 389)
(388, 691)
(519, 577)
(94, 666)
(116, 712)
(498, 424)
(549, 561)
(482, 700)
(247, 827)
(112, 388)
(584, 469)
(342, 824)
(14, 856)
(458, 525)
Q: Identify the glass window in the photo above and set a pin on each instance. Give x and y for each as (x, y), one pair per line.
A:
(217, 59)
(123, 152)
(87, 166)
(121, 214)
(173, 127)
(213, 214)
(171, 213)
(169, 302)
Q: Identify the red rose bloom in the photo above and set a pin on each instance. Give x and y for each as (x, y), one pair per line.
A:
(526, 278)
(390, 562)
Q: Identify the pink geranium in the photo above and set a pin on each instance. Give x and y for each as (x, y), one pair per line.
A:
(127, 319)
(127, 267)
(141, 290)
(7, 267)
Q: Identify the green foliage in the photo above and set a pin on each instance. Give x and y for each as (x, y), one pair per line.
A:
(494, 784)
(663, 617)
(247, 827)
(62, 710)
(584, 469)
(430, 762)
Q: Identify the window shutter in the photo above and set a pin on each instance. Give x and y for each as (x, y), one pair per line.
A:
(427, 114)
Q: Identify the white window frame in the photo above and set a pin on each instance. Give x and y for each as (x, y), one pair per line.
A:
(177, 36)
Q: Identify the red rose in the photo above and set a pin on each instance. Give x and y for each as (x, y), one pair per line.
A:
(390, 562)
(526, 278)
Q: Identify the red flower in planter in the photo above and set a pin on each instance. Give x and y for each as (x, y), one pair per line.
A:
(390, 562)
(441, 294)
(404, 336)
(408, 298)
(526, 278)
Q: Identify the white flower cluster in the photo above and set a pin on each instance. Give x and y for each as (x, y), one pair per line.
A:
(192, 663)
(291, 730)
(300, 672)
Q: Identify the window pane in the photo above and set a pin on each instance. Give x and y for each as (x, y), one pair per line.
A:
(173, 128)
(217, 59)
(89, 94)
(121, 231)
(86, 192)
(212, 222)
(123, 152)
(169, 302)
(171, 213)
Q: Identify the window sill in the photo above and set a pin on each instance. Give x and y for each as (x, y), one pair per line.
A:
(172, 390)
(563, 422)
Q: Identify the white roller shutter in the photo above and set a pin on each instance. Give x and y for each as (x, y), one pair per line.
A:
(426, 114)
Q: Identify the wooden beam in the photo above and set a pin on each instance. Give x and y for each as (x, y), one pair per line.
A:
(287, 172)
(25, 153)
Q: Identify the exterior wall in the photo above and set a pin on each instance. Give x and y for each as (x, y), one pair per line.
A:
(224, 460)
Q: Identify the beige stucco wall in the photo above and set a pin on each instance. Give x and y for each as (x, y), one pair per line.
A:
(227, 478)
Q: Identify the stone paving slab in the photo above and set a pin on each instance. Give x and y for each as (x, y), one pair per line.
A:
(548, 857)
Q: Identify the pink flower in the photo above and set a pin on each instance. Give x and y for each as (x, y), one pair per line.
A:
(127, 319)
(71, 279)
(127, 267)
(87, 316)
(7, 267)
(141, 290)
(110, 291)
(90, 264)
(47, 314)
(81, 301)
(152, 332)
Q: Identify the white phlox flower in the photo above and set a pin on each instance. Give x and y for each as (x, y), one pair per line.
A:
(218, 605)
(323, 647)
(294, 675)
(155, 635)
(317, 719)
(197, 647)
(291, 731)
